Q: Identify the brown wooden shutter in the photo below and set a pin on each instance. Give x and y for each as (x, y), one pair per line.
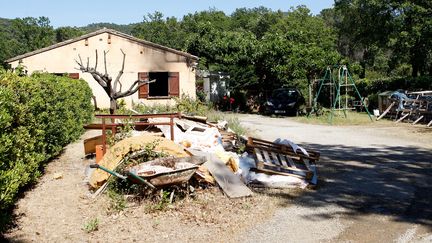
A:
(74, 75)
(143, 91)
(174, 83)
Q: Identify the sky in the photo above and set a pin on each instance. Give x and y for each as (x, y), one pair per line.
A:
(83, 12)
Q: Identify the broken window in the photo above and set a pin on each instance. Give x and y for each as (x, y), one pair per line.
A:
(166, 84)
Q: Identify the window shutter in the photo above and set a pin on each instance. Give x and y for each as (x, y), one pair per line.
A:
(174, 84)
(143, 91)
(74, 75)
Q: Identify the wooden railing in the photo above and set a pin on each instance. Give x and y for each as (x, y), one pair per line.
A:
(113, 125)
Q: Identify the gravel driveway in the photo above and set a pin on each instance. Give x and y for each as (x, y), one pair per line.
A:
(375, 184)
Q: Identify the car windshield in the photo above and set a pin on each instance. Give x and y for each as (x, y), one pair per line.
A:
(282, 94)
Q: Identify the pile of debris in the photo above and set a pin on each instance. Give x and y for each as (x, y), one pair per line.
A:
(415, 107)
(206, 152)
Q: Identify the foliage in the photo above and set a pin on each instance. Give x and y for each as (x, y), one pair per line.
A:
(353, 118)
(117, 201)
(185, 104)
(259, 48)
(32, 33)
(39, 115)
(389, 32)
(374, 86)
(190, 106)
(124, 28)
(232, 119)
(91, 225)
(66, 33)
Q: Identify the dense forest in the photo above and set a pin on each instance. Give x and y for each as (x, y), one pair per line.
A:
(261, 49)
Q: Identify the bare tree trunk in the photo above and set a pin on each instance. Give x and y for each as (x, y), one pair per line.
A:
(113, 106)
(95, 103)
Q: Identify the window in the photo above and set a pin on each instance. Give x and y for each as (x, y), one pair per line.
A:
(166, 84)
(160, 87)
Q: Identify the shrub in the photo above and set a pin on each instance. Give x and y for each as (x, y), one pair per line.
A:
(368, 86)
(185, 104)
(39, 115)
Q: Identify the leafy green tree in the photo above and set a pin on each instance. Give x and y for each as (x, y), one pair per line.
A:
(66, 33)
(363, 27)
(32, 33)
(298, 47)
(162, 31)
(411, 40)
(396, 30)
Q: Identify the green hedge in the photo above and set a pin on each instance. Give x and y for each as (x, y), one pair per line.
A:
(39, 115)
(368, 86)
(372, 87)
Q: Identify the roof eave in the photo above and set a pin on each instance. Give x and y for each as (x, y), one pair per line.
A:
(129, 37)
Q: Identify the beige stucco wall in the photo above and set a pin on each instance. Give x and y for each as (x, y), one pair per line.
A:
(139, 58)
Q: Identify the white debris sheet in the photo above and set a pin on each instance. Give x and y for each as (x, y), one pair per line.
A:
(273, 181)
(201, 137)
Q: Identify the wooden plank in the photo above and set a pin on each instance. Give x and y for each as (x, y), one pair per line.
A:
(255, 142)
(290, 153)
(283, 160)
(90, 144)
(275, 158)
(417, 120)
(99, 126)
(386, 111)
(258, 154)
(267, 157)
(281, 168)
(306, 162)
(271, 169)
(231, 184)
(290, 161)
(400, 119)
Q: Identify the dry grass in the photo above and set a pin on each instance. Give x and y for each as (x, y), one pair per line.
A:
(339, 119)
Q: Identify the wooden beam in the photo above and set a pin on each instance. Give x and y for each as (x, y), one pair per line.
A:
(400, 119)
(285, 169)
(417, 120)
(386, 111)
(90, 144)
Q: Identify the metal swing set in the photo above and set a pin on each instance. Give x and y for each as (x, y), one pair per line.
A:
(339, 81)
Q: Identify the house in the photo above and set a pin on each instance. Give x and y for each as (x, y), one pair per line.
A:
(173, 70)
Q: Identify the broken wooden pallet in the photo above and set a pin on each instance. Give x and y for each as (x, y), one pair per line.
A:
(281, 159)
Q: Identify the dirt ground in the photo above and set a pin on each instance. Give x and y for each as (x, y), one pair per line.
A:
(375, 184)
(57, 210)
(374, 187)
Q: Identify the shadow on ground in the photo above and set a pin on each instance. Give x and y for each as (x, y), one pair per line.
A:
(394, 181)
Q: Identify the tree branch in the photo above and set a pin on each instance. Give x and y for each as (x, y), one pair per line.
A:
(117, 80)
(106, 72)
(133, 88)
(95, 68)
(99, 77)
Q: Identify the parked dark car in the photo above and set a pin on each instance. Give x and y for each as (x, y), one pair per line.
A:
(284, 101)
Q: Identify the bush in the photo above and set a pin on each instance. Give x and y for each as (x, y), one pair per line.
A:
(39, 115)
(368, 86)
(185, 104)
